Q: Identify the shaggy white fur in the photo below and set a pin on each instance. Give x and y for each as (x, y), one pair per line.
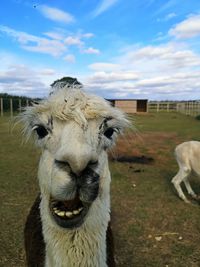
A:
(75, 128)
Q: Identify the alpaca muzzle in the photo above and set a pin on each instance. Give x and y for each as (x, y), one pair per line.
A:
(86, 181)
(71, 213)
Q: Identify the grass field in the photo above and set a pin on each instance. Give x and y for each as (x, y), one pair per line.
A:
(152, 226)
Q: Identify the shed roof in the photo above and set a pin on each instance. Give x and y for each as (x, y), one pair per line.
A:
(125, 99)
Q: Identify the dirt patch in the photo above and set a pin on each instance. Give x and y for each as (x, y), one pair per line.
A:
(134, 159)
(145, 148)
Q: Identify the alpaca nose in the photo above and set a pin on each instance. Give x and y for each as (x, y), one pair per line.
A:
(77, 170)
(76, 156)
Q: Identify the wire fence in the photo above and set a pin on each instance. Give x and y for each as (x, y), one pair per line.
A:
(191, 108)
(11, 105)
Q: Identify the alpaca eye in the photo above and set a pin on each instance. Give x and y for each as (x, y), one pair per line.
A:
(109, 132)
(41, 131)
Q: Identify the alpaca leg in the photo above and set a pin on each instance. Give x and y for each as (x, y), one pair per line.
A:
(189, 188)
(180, 176)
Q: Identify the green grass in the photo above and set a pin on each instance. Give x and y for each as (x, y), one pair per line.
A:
(18, 168)
(182, 125)
(144, 203)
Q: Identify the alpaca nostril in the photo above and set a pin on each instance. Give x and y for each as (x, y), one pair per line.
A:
(92, 163)
(62, 164)
(74, 169)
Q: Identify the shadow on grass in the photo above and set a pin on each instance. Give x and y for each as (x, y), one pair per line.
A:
(134, 159)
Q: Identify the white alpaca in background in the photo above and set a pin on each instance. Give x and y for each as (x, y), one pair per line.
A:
(69, 223)
(188, 158)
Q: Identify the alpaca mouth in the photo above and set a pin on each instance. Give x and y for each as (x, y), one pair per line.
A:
(69, 213)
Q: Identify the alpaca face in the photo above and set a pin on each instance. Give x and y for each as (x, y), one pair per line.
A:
(72, 165)
(72, 170)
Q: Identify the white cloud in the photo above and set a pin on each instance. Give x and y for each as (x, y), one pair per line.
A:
(21, 79)
(169, 71)
(21, 37)
(104, 6)
(99, 66)
(47, 72)
(155, 82)
(170, 16)
(167, 5)
(8, 59)
(47, 47)
(73, 41)
(87, 35)
(160, 58)
(91, 50)
(55, 35)
(34, 43)
(109, 77)
(167, 17)
(56, 45)
(56, 14)
(165, 71)
(187, 29)
(70, 58)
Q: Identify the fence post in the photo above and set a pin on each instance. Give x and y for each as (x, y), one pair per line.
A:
(20, 105)
(196, 108)
(193, 108)
(185, 108)
(1, 107)
(11, 107)
(167, 106)
(158, 104)
(190, 106)
(27, 104)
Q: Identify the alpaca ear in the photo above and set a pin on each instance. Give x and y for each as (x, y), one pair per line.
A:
(27, 120)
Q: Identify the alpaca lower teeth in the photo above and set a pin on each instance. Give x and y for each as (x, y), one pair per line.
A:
(68, 214)
(75, 212)
(56, 211)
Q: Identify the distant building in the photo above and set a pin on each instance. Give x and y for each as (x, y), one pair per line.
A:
(130, 105)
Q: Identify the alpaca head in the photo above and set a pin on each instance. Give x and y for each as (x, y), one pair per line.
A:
(74, 130)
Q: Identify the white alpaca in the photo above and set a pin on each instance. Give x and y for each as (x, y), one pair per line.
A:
(74, 130)
(188, 158)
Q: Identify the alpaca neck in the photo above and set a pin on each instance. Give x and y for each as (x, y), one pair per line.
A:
(78, 249)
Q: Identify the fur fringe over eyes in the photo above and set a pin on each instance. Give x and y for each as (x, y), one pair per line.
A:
(71, 103)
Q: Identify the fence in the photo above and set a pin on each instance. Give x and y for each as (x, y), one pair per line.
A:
(11, 105)
(191, 108)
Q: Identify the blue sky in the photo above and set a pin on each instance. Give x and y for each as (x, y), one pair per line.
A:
(116, 48)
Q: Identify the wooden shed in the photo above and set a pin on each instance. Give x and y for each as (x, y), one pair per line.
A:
(130, 105)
